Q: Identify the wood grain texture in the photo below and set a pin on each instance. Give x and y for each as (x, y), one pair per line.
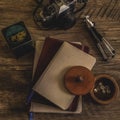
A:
(15, 74)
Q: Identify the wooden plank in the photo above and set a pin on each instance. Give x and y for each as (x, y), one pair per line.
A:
(14, 86)
(16, 74)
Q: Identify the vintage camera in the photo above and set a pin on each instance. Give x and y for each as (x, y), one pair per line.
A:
(56, 14)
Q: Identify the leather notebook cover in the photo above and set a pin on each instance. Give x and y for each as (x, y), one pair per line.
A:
(42, 68)
(38, 105)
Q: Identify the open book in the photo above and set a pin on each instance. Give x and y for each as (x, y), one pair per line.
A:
(66, 56)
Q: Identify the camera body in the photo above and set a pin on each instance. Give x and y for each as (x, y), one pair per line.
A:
(56, 14)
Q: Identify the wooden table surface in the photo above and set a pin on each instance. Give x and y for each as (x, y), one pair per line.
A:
(15, 74)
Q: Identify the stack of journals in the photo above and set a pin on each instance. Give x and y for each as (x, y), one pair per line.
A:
(52, 59)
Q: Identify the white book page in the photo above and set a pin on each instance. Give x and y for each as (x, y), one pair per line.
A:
(38, 107)
(38, 49)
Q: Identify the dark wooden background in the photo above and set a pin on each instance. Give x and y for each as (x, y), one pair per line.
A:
(15, 74)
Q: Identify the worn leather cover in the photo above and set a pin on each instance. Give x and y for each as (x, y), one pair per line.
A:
(49, 49)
